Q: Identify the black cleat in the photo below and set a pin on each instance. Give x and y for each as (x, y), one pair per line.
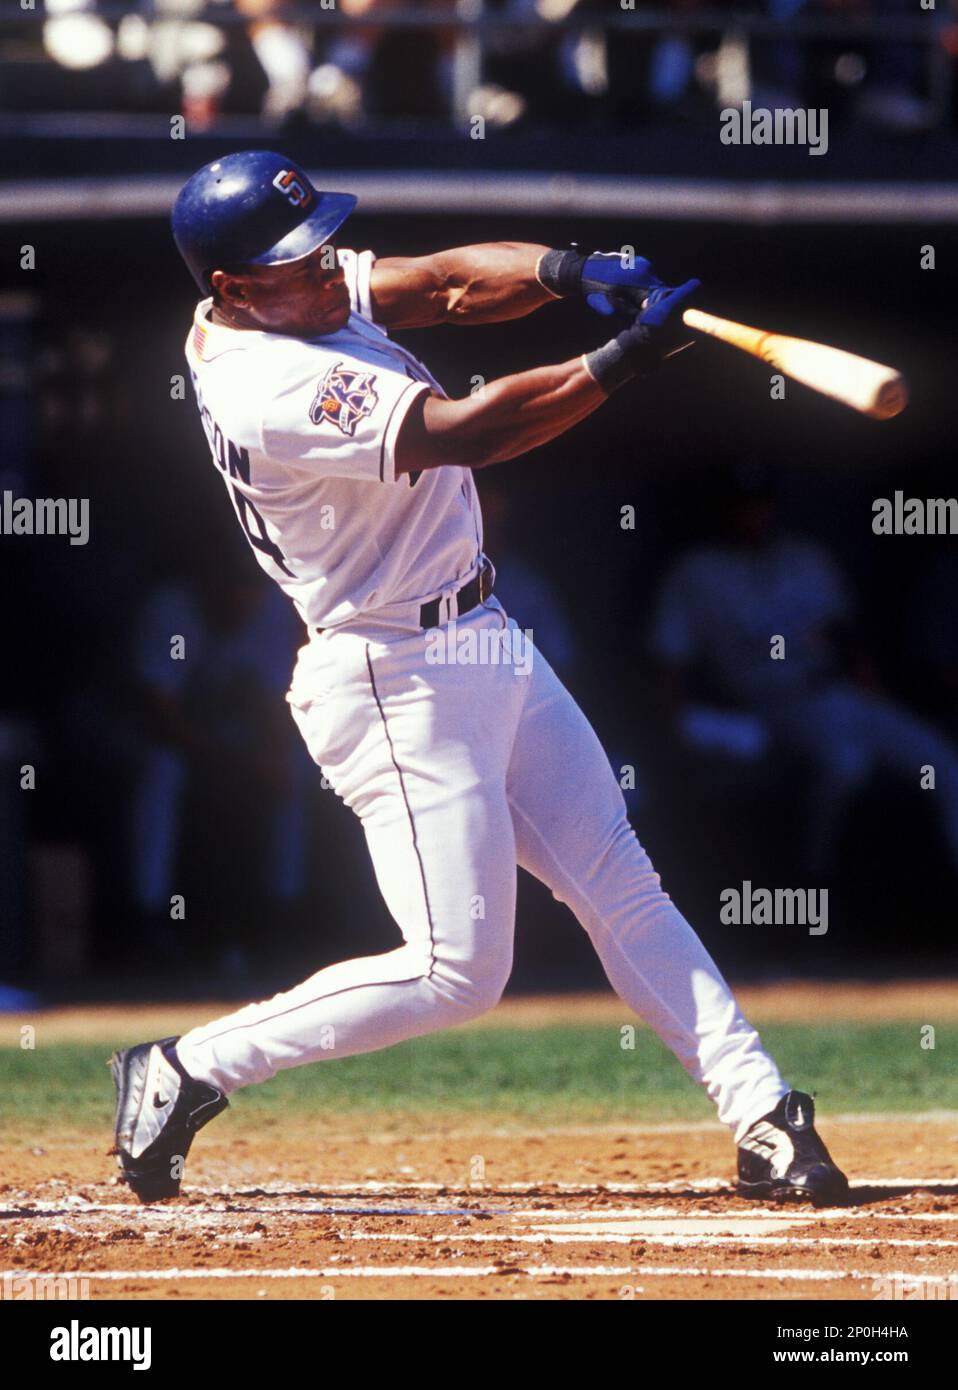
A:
(782, 1157)
(158, 1111)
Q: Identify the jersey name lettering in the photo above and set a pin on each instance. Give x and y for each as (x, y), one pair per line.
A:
(233, 462)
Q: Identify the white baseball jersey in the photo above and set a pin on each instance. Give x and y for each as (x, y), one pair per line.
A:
(304, 434)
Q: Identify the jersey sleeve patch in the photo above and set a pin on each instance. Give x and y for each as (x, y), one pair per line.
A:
(344, 397)
(334, 414)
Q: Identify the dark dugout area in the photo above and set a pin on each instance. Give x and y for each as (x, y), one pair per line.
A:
(98, 417)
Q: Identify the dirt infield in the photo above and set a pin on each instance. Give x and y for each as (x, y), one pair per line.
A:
(459, 1214)
(371, 1206)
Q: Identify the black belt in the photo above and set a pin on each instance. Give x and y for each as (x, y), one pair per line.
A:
(467, 598)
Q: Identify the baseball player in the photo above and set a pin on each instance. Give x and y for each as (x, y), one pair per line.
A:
(430, 712)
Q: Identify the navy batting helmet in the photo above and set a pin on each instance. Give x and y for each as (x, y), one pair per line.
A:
(252, 208)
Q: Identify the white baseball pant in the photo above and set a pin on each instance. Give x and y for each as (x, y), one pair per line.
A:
(459, 771)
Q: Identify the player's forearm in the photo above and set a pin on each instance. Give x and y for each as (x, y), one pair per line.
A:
(510, 416)
(486, 283)
(504, 419)
(520, 412)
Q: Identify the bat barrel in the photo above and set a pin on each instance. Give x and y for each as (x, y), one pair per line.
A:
(869, 387)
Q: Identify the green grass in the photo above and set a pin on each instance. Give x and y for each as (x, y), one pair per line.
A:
(553, 1075)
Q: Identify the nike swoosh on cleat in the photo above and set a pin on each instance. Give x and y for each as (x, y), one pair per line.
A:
(158, 1101)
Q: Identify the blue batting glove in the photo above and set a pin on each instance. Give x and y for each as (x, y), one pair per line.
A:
(611, 282)
(656, 333)
(662, 315)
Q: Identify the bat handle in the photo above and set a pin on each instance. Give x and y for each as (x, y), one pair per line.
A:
(740, 335)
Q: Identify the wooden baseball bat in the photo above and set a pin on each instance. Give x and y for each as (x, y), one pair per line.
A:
(869, 387)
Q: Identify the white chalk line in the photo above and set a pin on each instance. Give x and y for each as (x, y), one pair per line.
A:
(490, 1271)
(544, 1187)
(755, 1214)
(594, 1237)
(195, 1215)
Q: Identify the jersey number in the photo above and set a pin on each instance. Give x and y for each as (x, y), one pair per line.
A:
(255, 528)
(234, 463)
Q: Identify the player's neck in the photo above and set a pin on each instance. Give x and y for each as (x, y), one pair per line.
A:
(225, 321)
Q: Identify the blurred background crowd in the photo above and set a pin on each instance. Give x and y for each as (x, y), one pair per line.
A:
(176, 835)
(888, 63)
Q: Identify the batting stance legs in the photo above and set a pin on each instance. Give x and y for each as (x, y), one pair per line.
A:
(459, 767)
(573, 834)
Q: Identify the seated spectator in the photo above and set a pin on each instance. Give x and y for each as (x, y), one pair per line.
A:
(210, 711)
(284, 51)
(720, 612)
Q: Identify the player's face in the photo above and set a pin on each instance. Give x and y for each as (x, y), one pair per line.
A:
(303, 299)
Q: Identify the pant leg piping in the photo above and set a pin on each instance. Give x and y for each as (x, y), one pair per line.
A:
(308, 1003)
(412, 821)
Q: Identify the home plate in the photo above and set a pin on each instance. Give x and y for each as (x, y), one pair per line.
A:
(717, 1225)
